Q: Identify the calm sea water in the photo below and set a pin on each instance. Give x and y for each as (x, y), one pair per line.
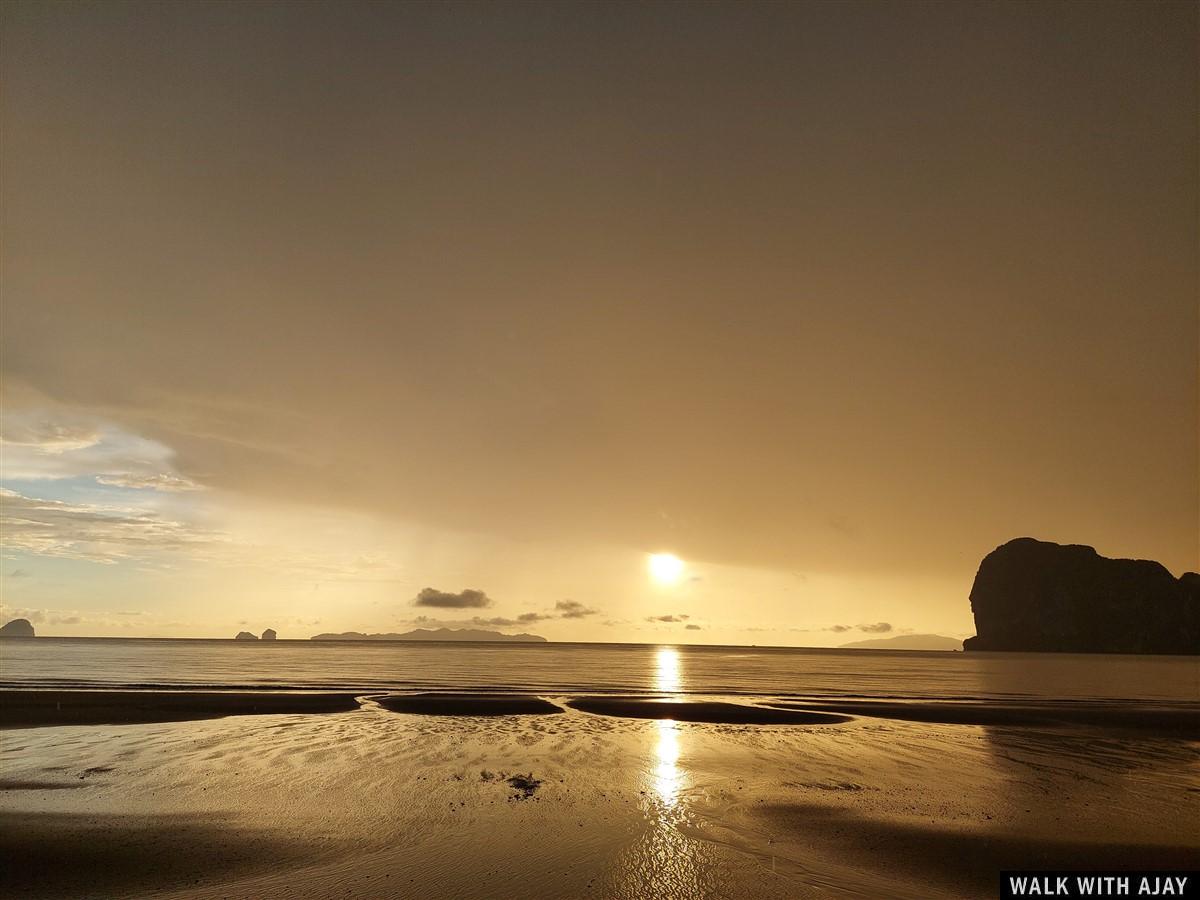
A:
(556, 668)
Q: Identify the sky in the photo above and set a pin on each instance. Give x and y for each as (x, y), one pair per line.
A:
(309, 308)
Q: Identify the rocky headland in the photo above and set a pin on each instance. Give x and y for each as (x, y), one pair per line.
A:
(1032, 595)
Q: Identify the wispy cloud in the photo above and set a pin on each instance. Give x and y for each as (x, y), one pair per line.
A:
(36, 447)
(102, 534)
(109, 533)
(102, 618)
(563, 609)
(869, 628)
(159, 481)
(572, 609)
(877, 628)
(473, 622)
(46, 436)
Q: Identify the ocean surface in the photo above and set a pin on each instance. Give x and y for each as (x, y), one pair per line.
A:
(568, 668)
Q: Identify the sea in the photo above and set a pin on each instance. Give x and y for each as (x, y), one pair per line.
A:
(578, 668)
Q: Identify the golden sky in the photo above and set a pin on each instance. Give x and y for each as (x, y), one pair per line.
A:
(308, 307)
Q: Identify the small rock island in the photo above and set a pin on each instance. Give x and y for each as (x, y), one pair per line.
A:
(17, 628)
(1032, 595)
(269, 635)
(246, 636)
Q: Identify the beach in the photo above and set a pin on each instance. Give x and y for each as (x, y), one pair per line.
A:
(485, 795)
(652, 450)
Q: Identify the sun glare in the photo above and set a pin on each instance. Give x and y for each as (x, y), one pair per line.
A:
(666, 676)
(665, 568)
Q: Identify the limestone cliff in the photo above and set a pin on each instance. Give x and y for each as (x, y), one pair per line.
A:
(1036, 595)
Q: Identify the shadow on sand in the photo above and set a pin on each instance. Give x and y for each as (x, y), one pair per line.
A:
(51, 854)
(967, 863)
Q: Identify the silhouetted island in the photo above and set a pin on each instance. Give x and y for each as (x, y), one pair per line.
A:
(17, 628)
(269, 635)
(437, 634)
(246, 636)
(1040, 596)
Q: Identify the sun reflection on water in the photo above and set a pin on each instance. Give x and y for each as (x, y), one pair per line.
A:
(667, 677)
(667, 776)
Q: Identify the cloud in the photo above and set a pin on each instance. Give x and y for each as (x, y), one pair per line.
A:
(877, 628)
(692, 627)
(19, 573)
(37, 447)
(681, 617)
(64, 617)
(48, 437)
(33, 615)
(838, 628)
(160, 481)
(88, 531)
(468, 598)
(563, 609)
(572, 609)
(473, 622)
(114, 528)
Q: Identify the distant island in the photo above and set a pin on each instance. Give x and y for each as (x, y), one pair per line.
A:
(1032, 595)
(436, 634)
(17, 628)
(907, 642)
(268, 635)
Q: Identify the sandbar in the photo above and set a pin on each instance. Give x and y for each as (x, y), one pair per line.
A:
(438, 704)
(34, 708)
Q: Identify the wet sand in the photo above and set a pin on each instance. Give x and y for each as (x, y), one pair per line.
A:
(1164, 720)
(713, 712)
(381, 803)
(32, 708)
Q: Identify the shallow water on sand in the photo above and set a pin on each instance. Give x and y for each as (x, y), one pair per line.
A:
(376, 803)
(595, 668)
(381, 803)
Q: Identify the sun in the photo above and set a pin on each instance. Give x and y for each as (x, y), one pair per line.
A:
(665, 568)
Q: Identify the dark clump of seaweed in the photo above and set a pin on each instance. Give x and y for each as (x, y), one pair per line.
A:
(524, 786)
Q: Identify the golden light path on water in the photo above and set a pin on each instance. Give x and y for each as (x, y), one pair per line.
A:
(667, 776)
(667, 678)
